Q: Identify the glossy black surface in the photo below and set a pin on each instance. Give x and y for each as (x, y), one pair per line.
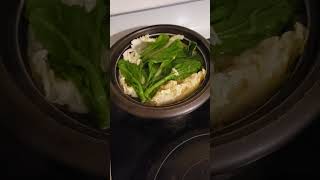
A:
(136, 144)
(186, 158)
(297, 160)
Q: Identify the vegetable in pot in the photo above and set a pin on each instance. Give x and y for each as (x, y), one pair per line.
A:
(76, 40)
(160, 61)
(243, 24)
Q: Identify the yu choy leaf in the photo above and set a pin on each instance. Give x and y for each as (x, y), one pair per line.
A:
(179, 72)
(76, 40)
(160, 43)
(133, 76)
(243, 24)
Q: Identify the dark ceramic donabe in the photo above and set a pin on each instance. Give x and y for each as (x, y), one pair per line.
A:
(35, 121)
(281, 118)
(182, 107)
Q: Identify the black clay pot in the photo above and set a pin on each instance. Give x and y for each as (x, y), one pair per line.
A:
(45, 127)
(177, 109)
(292, 108)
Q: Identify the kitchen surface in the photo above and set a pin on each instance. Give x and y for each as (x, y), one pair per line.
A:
(135, 145)
(157, 13)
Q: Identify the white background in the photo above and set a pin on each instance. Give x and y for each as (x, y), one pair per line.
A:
(191, 14)
(125, 6)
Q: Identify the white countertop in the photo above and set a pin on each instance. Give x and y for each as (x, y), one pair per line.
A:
(192, 14)
(126, 6)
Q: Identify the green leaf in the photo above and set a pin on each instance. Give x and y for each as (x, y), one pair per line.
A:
(165, 65)
(186, 68)
(152, 70)
(133, 77)
(179, 72)
(160, 42)
(158, 60)
(175, 49)
(75, 40)
(243, 24)
(192, 48)
(165, 57)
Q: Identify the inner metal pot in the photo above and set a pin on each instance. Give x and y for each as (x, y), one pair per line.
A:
(279, 119)
(183, 107)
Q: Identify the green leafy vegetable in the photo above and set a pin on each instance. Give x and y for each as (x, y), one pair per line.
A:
(134, 77)
(192, 48)
(76, 40)
(160, 42)
(176, 48)
(162, 61)
(179, 72)
(164, 57)
(152, 69)
(243, 24)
